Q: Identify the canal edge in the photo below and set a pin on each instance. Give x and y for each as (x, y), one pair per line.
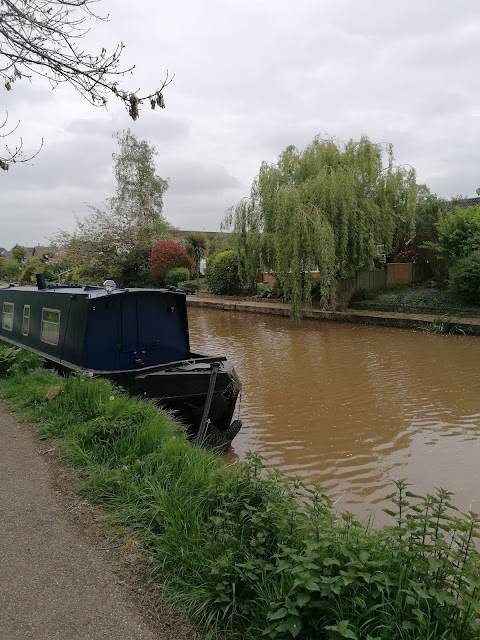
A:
(423, 322)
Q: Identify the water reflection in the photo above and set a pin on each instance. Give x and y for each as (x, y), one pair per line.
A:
(352, 406)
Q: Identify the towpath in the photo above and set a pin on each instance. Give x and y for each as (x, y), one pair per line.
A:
(57, 581)
(468, 325)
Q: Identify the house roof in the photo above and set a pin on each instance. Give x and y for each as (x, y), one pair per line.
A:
(37, 250)
(467, 202)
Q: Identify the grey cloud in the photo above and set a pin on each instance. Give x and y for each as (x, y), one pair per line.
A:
(88, 128)
(158, 125)
(387, 20)
(76, 163)
(28, 93)
(252, 78)
(194, 178)
(198, 211)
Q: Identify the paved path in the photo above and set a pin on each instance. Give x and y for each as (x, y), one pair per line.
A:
(54, 583)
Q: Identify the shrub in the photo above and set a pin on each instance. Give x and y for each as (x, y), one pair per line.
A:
(264, 290)
(140, 277)
(222, 274)
(459, 233)
(13, 360)
(174, 276)
(35, 265)
(9, 270)
(189, 286)
(465, 279)
(167, 255)
(74, 275)
(267, 290)
(363, 294)
(416, 300)
(406, 255)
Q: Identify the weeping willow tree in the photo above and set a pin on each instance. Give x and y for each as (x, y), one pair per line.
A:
(322, 210)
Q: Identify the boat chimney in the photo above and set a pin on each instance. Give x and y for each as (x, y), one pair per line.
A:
(41, 283)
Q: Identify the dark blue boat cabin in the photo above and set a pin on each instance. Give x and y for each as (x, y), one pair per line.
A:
(97, 328)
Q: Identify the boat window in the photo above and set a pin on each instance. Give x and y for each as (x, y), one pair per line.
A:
(26, 319)
(50, 326)
(7, 316)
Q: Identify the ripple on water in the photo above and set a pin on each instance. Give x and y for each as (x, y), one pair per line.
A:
(353, 407)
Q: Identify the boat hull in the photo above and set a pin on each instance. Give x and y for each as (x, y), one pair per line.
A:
(183, 389)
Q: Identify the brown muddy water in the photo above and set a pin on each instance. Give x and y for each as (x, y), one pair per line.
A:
(352, 407)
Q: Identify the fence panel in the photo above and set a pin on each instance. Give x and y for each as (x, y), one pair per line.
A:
(421, 271)
(399, 273)
(372, 280)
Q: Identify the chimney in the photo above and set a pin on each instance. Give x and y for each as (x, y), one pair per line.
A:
(41, 283)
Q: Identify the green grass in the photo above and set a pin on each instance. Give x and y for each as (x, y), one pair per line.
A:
(248, 552)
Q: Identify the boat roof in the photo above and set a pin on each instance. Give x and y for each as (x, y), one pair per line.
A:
(90, 291)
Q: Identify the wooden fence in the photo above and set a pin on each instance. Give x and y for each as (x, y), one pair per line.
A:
(399, 273)
(392, 275)
(369, 280)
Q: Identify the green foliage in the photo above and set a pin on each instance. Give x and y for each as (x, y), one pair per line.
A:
(73, 275)
(252, 554)
(327, 208)
(363, 294)
(442, 324)
(137, 275)
(35, 265)
(465, 278)
(40, 264)
(412, 302)
(174, 276)
(458, 233)
(140, 190)
(222, 274)
(16, 361)
(189, 286)
(19, 253)
(268, 291)
(116, 242)
(428, 213)
(9, 270)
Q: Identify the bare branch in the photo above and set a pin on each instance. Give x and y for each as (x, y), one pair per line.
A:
(42, 37)
(16, 155)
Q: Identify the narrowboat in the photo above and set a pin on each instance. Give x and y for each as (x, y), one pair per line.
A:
(138, 338)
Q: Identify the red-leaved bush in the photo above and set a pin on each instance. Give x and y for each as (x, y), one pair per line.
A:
(406, 255)
(167, 255)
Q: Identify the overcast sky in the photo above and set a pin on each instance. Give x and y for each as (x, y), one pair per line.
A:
(251, 77)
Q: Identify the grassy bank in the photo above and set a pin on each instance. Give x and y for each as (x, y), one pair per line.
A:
(248, 552)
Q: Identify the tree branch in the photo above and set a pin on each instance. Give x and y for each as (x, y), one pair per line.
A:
(39, 37)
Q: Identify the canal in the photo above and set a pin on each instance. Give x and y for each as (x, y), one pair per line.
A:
(352, 407)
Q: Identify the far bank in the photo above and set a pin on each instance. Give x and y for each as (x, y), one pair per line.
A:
(441, 323)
